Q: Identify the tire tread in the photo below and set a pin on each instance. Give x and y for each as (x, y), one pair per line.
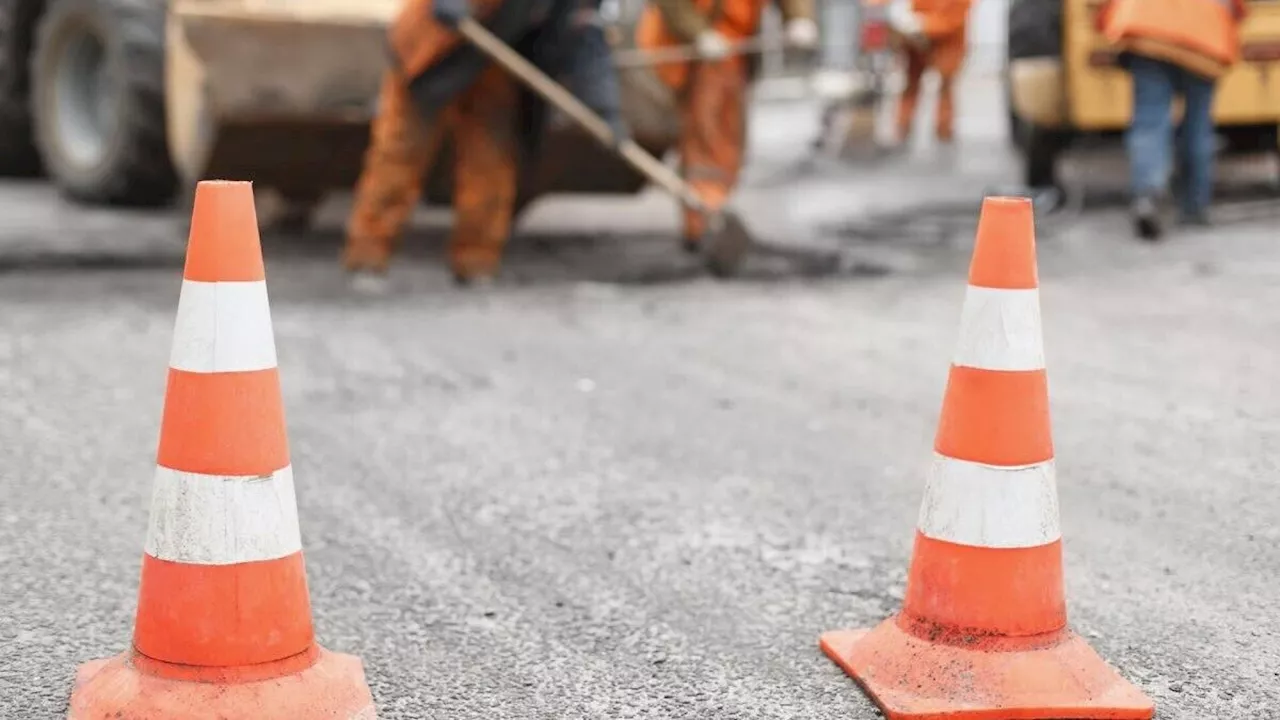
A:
(140, 171)
(18, 154)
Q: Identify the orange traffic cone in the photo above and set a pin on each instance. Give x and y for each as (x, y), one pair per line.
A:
(223, 628)
(983, 632)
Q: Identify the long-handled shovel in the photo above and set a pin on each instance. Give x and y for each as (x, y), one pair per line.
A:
(727, 241)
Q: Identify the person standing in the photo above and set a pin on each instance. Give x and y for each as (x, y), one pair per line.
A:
(1170, 48)
(711, 93)
(936, 37)
(439, 86)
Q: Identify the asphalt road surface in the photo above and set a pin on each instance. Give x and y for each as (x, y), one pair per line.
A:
(606, 488)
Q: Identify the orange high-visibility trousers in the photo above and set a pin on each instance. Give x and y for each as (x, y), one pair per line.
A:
(483, 122)
(713, 135)
(944, 55)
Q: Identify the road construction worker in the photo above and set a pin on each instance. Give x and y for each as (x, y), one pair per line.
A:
(440, 86)
(711, 91)
(1172, 48)
(934, 34)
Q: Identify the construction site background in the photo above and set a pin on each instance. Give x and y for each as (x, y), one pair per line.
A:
(839, 44)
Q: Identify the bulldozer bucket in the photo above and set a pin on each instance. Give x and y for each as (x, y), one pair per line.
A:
(258, 90)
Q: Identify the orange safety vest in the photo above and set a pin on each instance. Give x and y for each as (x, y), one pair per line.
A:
(1201, 36)
(942, 18)
(737, 20)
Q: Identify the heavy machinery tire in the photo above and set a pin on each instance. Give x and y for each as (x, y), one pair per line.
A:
(18, 156)
(103, 142)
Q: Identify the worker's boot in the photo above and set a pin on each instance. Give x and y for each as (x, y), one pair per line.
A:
(475, 282)
(369, 282)
(1145, 212)
(366, 263)
(697, 226)
(474, 265)
(475, 279)
(694, 228)
(1190, 214)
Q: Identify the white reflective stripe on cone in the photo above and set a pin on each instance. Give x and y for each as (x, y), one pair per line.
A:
(1000, 330)
(222, 520)
(988, 506)
(223, 327)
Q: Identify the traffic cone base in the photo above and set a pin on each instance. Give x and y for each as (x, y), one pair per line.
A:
(982, 633)
(911, 678)
(332, 686)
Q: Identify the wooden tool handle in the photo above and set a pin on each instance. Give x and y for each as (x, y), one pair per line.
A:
(554, 93)
(681, 53)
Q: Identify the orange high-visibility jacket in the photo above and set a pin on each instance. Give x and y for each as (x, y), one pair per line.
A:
(735, 19)
(668, 23)
(943, 18)
(1201, 36)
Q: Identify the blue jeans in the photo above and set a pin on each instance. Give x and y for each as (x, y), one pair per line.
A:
(1150, 137)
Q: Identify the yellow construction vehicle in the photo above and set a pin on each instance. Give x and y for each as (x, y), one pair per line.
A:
(129, 101)
(1063, 84)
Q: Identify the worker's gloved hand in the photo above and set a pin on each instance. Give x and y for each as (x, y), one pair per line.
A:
(711, 45)
(802, 33)
(450, 12)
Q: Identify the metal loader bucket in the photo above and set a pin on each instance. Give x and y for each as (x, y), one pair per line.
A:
(282, 92)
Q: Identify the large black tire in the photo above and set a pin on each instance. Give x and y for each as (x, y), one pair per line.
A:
(103, 148)
(18, 156)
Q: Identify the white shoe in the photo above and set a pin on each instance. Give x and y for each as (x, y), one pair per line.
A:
(368, 282)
